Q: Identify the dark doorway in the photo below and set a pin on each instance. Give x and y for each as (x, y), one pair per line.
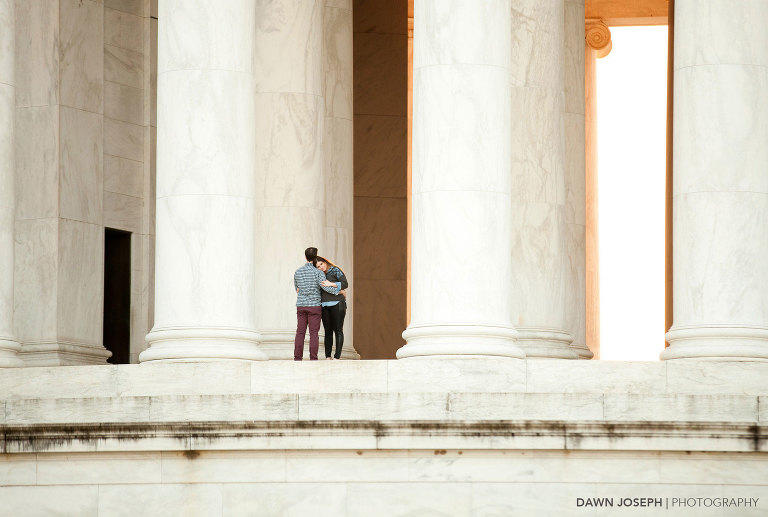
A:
(117, 295)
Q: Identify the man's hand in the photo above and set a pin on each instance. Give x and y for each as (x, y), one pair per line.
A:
(328, 283)
(343, 293)
(297, 290)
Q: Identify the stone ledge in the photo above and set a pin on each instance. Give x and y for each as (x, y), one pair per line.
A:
(385, 435)
(414, 376)
(374, 407)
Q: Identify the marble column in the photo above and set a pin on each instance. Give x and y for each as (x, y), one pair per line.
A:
(575, 186)
(9, 347)
(461, 273)
(591, 202)
(290, 194)
(539, 229)
(720, 194)
(338, 142)
(204, 305)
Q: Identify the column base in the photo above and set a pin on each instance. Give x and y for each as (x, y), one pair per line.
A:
(447, 340)
(582, 351)
(545, 343)
(202, 344)
(717, 343)
(63, 353)
(9, 353)
(278, 344)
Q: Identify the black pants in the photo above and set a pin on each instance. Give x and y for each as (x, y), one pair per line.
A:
(333, 324)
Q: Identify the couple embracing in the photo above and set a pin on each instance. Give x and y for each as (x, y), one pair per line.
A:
(321, 296)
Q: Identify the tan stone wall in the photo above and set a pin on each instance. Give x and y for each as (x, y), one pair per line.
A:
(380, 118)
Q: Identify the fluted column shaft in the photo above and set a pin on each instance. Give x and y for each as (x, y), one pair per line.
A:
(720, 192)
(338, 143)
(9, 347)
(539, 226)
(290, 109)
(204, 302)
(575, 176)
(461, 273)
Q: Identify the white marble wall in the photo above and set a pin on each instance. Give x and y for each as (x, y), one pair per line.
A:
(338, 142)
(575, 194)
(375, 483)
(720, 182)
(9, 347)
(539, 230)
(84, 72)
(59, 178)
(461, 190)
(204, 304)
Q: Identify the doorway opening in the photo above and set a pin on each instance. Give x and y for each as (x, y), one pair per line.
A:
(117, 295)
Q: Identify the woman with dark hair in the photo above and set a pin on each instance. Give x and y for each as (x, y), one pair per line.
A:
(334, 307)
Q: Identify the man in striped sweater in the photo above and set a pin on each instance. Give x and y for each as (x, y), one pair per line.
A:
(308, 280)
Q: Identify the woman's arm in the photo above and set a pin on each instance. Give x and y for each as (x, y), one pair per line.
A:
(341, 278)
(320, 279)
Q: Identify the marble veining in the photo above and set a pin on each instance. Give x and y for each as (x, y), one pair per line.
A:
(35, 271)
(337, 62)
(289, 31)
(218, 140)
(37, 162)
(123, 176)
(37, 58)
(461, 186)
(124, 103)
(469, 150)
(123, 212)
(124, 30)
(716, 32)
(123, 139)
(537, 43)
(81, 50)
(573, 59)
(80, 289)
(289, 150)
(720, 129)
(123, 66)
(194, 281)
(541, 167)
(454, 28)
(721, 239)
(276, 298)
(9, 347)
(204, 296)
(338, 173)
(720, 186)
(81, 165)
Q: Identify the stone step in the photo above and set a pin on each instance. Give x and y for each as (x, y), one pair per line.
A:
(407, 376)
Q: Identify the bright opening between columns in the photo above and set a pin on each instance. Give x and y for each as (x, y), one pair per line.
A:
(631, 122)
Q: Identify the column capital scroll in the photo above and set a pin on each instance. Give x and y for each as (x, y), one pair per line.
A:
(598, 36)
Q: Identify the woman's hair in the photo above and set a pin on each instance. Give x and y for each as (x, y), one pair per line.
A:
(331, 264)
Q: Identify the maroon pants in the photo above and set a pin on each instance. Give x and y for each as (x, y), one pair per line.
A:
(304, 315)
